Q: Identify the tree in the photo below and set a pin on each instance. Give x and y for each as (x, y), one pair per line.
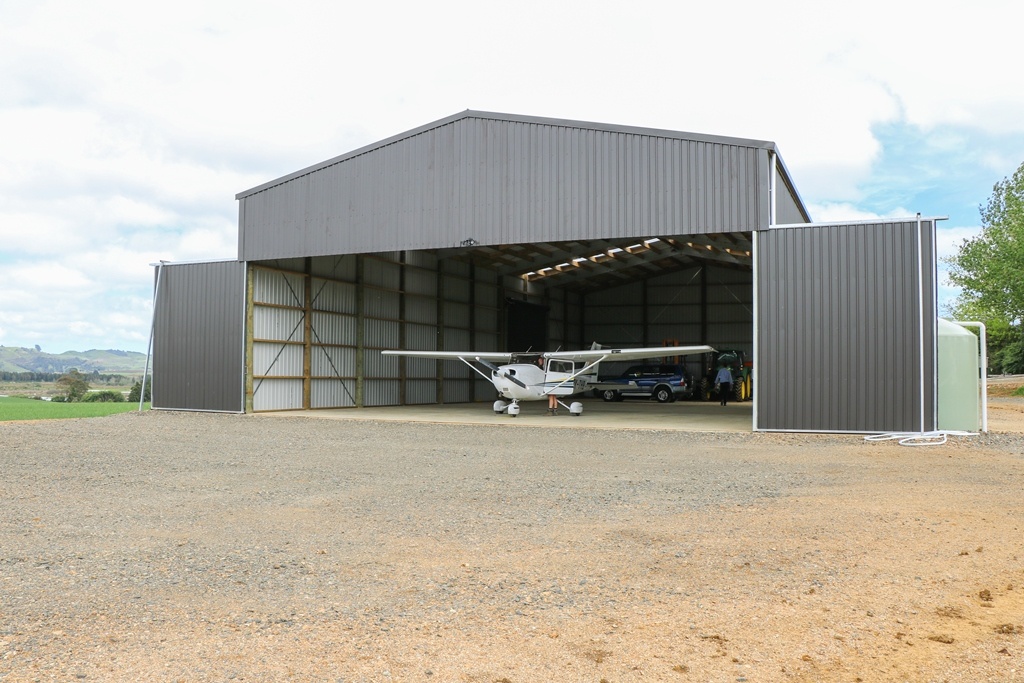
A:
(136, 390)
(73, 384)
(988, 268)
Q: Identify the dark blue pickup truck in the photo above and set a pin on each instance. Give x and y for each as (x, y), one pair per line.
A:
(663, 383)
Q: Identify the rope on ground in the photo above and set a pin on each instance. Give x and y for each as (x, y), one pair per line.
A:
(936, 438)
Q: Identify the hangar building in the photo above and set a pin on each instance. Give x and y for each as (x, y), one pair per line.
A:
(496, 232)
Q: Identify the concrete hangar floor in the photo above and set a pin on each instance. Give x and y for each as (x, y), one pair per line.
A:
(683, 416)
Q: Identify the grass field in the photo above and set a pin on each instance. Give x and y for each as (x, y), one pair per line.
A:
(17, 408)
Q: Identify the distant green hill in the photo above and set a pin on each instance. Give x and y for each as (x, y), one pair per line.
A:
(18, 359)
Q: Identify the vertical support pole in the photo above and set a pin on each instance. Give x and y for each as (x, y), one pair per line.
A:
(920, 323)
(152, 329)
(704, 304)
(439, 388)
(250, 313)
(402, 338)
(360, 331)
(307, 335)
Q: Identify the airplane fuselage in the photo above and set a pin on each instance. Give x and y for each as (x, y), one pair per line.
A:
(539, 383)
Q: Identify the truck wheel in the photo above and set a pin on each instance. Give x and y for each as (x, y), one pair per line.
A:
(662, 394)
(704, 390)
(610, 395)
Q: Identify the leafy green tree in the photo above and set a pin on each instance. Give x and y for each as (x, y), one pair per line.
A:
(73, 385)
(106, 396)
(989, 268)
(133, 393)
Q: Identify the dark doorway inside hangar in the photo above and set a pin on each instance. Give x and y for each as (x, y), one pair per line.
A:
(526, 326)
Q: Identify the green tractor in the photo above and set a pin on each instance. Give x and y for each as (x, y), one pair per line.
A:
(742, 376)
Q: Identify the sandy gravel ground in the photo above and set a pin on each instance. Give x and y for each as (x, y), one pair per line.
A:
(194, 547)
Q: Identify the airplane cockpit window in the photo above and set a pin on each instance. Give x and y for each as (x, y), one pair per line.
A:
(560, 366)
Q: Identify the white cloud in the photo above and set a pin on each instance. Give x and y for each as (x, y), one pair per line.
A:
(126, 132)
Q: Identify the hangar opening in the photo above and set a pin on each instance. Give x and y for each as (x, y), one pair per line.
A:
(487, 232)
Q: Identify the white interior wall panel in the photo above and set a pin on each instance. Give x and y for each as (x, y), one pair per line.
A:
(334, 268)
(334, 297)
(382, 392)
(277, 287)
(456, 288)
(277, 394)
(277, 360)
(333, 362)
(457, 340)
(420, 282)
(380, 273)
(332, 393)
(276, 324)
(381, 334)
(426, 260)
(458, 390)
(456, 315)
(379, 365)
(420, 391)
(422, 368)
(421, 309)
(421, 337)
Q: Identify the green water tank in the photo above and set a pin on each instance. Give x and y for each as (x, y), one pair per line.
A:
(959, 378)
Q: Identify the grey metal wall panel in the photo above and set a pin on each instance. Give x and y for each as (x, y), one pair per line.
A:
(840, 342)
(498, 180)
(199, 337)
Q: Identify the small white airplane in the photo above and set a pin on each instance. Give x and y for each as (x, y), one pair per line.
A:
(564, 373)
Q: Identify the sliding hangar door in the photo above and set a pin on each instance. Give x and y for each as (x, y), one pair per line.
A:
(495, 232)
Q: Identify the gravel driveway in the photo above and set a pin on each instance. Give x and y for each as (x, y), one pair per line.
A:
(172, 546)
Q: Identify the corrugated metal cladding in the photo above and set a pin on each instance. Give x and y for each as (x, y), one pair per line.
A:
(846, 326)
(501, 179)
(299, 327)
(708, 304)
(316, 336)
(198, 342)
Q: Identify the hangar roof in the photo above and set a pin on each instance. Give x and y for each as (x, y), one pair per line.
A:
(590, 203)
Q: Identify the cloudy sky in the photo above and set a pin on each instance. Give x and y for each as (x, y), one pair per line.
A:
(127, 128)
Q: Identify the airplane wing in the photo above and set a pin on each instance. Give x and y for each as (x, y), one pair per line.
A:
(628, 354)
(453, 355)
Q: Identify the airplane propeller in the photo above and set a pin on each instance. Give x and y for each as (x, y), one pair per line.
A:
(497, 371)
